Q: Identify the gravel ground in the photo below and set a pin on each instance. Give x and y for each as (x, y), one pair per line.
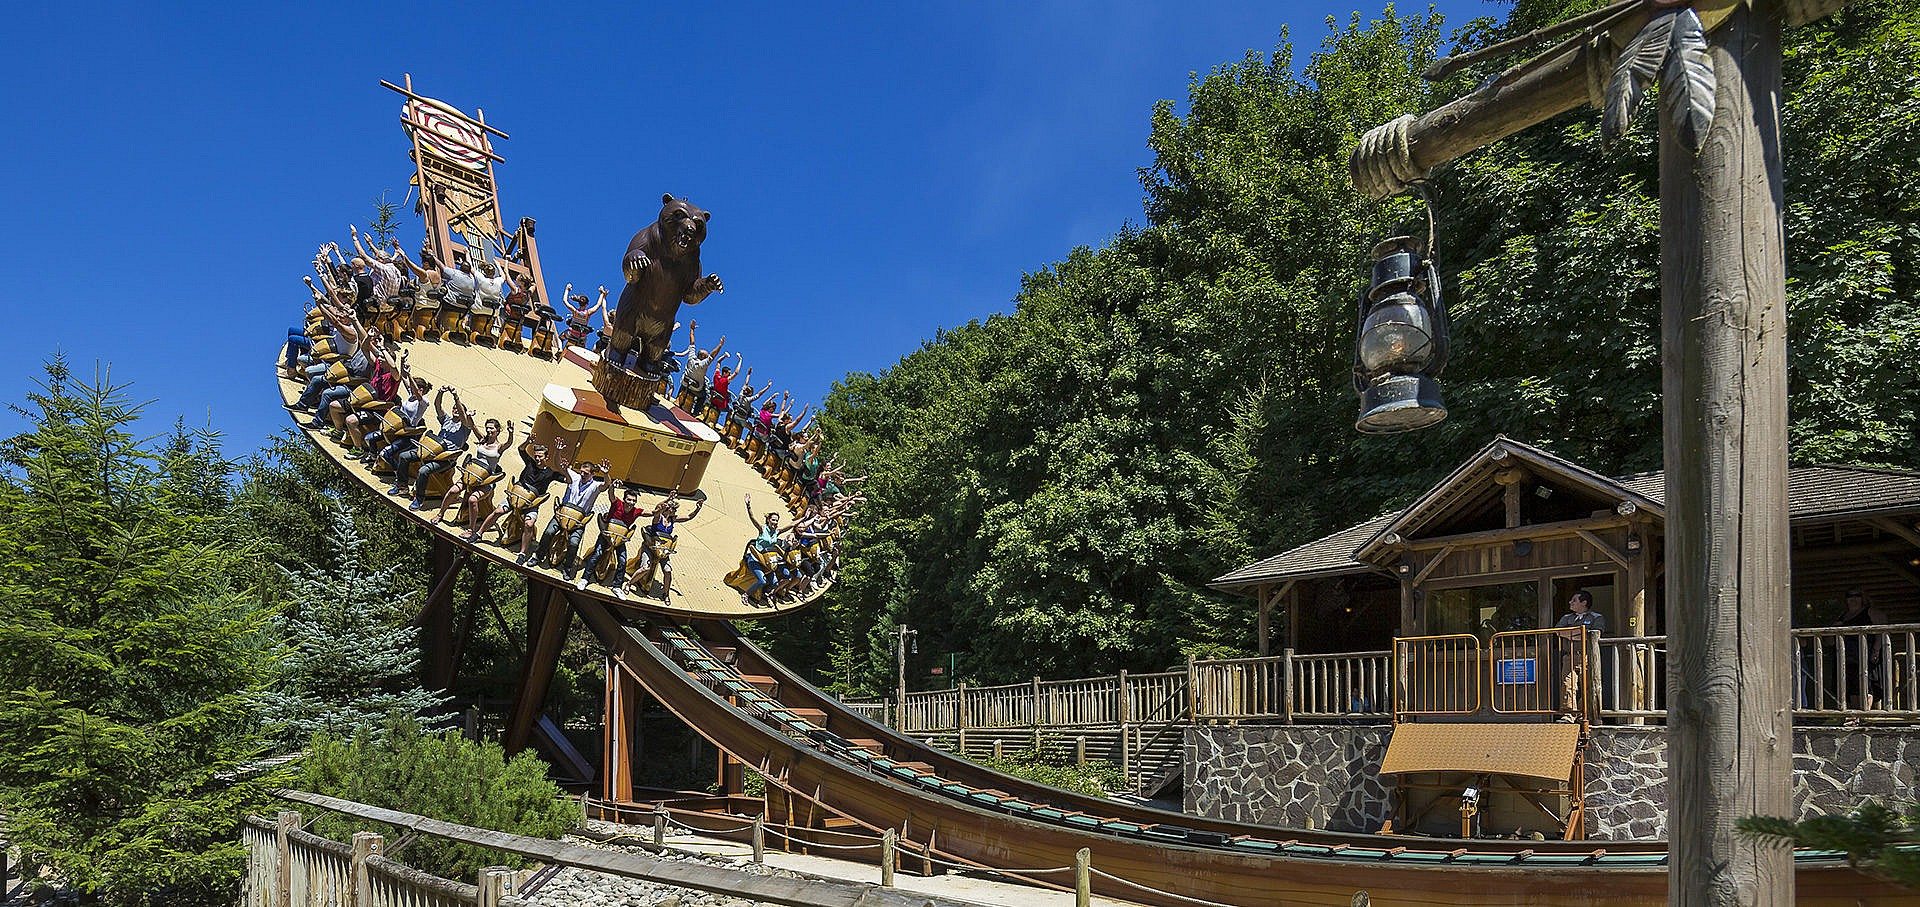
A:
(584, 888)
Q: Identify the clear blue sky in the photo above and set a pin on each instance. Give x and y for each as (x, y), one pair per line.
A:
(875, 172)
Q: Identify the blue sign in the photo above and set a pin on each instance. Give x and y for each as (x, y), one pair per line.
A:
(1514, 670)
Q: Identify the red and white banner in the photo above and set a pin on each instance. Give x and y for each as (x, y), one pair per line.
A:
(446, 134)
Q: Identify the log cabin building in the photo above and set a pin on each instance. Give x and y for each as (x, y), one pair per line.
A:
(1504, 540)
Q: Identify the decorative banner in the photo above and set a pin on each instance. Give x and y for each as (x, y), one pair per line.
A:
(446, 135)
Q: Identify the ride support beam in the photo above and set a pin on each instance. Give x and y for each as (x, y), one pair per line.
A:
(436, 615)
(547, 629)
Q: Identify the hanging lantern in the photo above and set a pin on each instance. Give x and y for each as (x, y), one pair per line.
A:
(1402, 343)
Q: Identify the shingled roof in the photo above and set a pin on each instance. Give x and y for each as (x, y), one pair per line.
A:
(1821, 490)
(1814, 493)
(1329, 556)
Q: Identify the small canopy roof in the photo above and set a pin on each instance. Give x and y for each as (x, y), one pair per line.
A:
(1524, 749)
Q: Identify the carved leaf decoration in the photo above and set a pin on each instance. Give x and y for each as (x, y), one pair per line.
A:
(1639, 63)
(1687, 82)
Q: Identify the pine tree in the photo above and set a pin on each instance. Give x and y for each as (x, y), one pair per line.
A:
(386, 221)
(1876, 837)
(352, 656)
(133, 654)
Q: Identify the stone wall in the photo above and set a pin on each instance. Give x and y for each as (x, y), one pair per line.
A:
(1304, 776)
(1834, 768)
(1319, 776)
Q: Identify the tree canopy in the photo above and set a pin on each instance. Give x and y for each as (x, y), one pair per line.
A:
(134, 648)
(1053, 487)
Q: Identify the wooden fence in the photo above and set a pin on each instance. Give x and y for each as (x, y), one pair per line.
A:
(1840, 673)
(289, 867)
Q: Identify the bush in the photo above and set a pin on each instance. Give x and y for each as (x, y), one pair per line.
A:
(1095, 779)
(442, 776)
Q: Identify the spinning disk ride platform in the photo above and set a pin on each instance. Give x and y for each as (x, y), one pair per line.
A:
(660, 448)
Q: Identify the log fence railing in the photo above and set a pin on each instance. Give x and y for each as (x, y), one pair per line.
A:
(1841, 673)
(289, 867)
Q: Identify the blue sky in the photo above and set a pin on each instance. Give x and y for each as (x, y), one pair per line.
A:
(875, 172)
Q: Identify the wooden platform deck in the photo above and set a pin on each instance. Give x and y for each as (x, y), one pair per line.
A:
(507, 386)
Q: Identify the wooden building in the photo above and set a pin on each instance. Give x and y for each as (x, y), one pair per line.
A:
(1504, 540)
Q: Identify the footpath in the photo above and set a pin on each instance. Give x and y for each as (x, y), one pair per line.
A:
(593, 889)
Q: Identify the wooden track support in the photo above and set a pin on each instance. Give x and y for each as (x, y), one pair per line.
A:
(547, 623)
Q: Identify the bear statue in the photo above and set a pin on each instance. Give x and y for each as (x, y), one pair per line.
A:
(662, 270)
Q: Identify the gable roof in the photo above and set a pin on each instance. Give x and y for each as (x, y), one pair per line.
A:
(1815, 493)
(1502, 452)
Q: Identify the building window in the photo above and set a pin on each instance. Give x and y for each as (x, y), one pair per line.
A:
(1484, 610)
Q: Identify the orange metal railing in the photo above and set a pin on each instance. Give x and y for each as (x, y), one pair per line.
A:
(1437, 675)
(1540, 672)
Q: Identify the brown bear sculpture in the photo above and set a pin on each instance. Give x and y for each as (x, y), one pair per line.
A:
(663, 270)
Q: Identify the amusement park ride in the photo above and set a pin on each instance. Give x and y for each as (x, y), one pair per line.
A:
(831, 774)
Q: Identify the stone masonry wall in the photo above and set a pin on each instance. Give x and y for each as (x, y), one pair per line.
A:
(1318, 776)
(1303, 776)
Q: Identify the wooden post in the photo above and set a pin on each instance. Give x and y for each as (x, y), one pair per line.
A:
(1260, 622)
(998, 752)
(1193, 691)
(760, 838)
(365, 844)
(543, 655)
(660, 825)
(1125, 705)
(495, 884)
(1637, 619)
(1082, 877)
(1126, 756)
(1286, 685)
(1039, 716)
(1292, 600)
(1407, 620)
(436, 615)
(960, 711)
(889, 840)
(283, 825)
(1724, 355)
(1080, 751)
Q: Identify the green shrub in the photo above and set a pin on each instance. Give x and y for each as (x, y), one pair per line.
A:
(1095, 779)
(443, 776)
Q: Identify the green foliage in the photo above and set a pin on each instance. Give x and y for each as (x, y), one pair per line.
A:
(1095, 779)
(133, 649)
(288, 496)
(386, 219)
(1876, 837)
(442, 776)
(1053, 488)
(352, 648)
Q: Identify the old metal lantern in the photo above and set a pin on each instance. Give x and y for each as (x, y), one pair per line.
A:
(1402, 342)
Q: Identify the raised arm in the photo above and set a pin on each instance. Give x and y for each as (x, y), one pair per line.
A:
(439, 412)
(715, 352)
(697, 505)
(418, 271)
(747, 502)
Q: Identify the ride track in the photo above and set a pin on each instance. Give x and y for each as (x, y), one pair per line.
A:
(832, 760)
